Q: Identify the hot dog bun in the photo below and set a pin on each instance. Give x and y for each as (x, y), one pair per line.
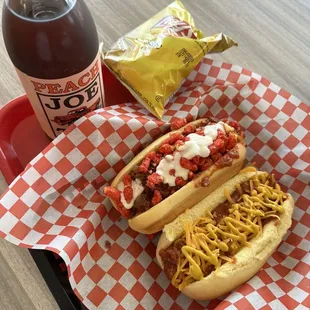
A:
(247, 261)
(167, 210)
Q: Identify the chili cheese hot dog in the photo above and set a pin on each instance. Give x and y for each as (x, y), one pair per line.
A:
(225, 239)
(176, 171)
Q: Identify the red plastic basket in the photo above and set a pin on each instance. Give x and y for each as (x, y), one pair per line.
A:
(21, 136)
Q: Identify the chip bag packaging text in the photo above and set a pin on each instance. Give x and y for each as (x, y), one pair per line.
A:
(154, 59)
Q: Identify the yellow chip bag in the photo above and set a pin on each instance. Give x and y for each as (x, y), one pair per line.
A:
(154, 59)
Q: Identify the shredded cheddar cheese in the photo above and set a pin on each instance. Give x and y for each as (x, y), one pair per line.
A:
(210, 244)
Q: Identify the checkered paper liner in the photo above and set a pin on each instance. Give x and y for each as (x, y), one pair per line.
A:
(57, 202)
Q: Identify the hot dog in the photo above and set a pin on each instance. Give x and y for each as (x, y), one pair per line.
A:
(176, 171)
(226, 238)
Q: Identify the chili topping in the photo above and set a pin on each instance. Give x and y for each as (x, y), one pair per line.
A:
(212, 240)
(177, 161)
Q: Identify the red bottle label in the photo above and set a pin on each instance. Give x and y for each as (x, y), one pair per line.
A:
(60, 102)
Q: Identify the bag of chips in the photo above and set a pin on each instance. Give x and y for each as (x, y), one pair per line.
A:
(154, 59)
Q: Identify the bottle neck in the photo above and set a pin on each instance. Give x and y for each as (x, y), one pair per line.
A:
(40, 10)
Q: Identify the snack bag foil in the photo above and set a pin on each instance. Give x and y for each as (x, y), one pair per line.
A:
(154, 59)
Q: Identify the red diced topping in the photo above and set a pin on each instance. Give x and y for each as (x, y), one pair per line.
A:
(128, 193)
(112, 193)
(212, 149)
(203, 160)
(115, 195)
(174, 137)
(154, 179)
(216, 146)
(191, 175)
(127, 180)
(220, 134)
(187, 164)
(151, 155)
(189, 129)
(196, 160)
(166, 149)
(232, 141)
(157, 198)
(123, 211)
(219, 143)
(166, 141)
(144, 166)
(234, 124)
(207, 164)
(178, 124)
(155, 157)
(179, 181)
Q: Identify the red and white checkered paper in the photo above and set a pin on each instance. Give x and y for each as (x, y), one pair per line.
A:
(57, 202)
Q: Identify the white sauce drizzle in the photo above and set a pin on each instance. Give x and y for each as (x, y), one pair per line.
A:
(197, 145)
(171, 162)
(137, 190)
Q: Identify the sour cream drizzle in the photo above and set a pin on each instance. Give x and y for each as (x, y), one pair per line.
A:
(197, 145)
(137, 190)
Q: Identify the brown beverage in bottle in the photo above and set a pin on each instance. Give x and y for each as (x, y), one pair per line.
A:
(54, 46)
